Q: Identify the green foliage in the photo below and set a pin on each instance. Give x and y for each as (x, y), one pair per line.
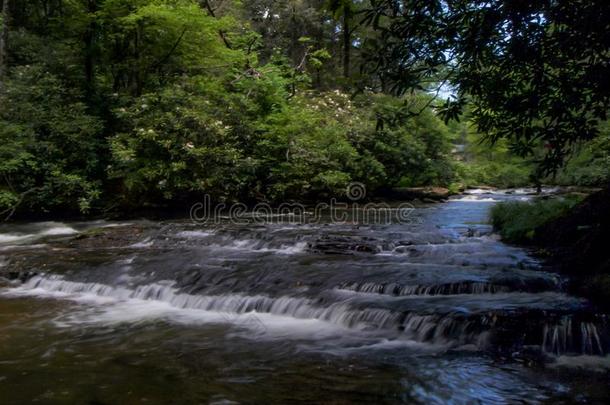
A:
(502, 174)
(409, 141)
(517, 221)
(175, 142)
(482, 163)
(126, 103)
(306, 149)
(536, 72)
(248, 138)
(49, 144)
(590, 166)
(171, 33)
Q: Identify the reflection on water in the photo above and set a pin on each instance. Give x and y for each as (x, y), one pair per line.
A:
(434, 311)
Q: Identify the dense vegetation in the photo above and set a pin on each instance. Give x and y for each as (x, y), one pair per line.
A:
(570, 232)
(518, 221)
(116, 104)
(123, 103)
(533, 73)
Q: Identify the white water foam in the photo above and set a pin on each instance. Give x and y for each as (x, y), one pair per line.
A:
(146, 243)
(285, 315)
(474, 199)
(58, 230)
(275, 317)
(440, 290)
(47, 229)
(8, 237)
(258, 312)
(253, 245)
(195, 234)
(299, 247)
(21, 247)
(513, 191)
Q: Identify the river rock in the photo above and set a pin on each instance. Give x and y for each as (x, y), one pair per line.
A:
(423, 193)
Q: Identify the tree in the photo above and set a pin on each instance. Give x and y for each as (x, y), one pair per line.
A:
(344, 10)
(89, 49)
(125, 103)
(536, 72)
(5, 18)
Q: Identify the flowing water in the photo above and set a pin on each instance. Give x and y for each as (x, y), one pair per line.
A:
(436, 310)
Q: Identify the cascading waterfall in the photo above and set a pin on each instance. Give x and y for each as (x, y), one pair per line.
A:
(437, 301)
(448, 329)
(339, 313)
(567, 337)
(442, 289)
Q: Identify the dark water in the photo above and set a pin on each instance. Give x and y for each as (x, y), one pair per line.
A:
(436, 310)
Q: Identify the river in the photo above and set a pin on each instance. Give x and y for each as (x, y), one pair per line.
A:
(431, 310)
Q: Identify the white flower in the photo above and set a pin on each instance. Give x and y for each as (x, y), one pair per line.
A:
(144, 106)
(189, 145)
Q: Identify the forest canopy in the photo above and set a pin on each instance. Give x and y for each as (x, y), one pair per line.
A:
(119, 104)
(535, 73)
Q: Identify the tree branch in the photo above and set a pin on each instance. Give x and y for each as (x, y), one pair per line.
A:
(10, 211)
(222, 33)
(169, 54)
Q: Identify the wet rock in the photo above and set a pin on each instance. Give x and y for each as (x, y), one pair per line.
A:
(576, 244)
(429, 200)
(481, 187)
(425, 194)
(344, 245)
(108, 237)
(21, 276)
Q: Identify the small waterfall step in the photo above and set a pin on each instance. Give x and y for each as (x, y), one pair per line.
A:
(499, 321)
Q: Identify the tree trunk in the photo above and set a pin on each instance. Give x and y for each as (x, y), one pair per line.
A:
(347, 45)
(89, 52)
(294, 37)
(6, 18)
(136, 73)
(319, 35)
(206, 4)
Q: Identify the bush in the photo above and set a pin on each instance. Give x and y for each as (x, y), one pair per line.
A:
(502, 175)
(143, 103)
(49, 145)
(590, 166)
(517, 221)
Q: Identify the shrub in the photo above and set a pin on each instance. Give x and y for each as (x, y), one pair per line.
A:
(517, 221)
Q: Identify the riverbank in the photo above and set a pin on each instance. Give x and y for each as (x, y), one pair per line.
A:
(179, 209)
(569, 235)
